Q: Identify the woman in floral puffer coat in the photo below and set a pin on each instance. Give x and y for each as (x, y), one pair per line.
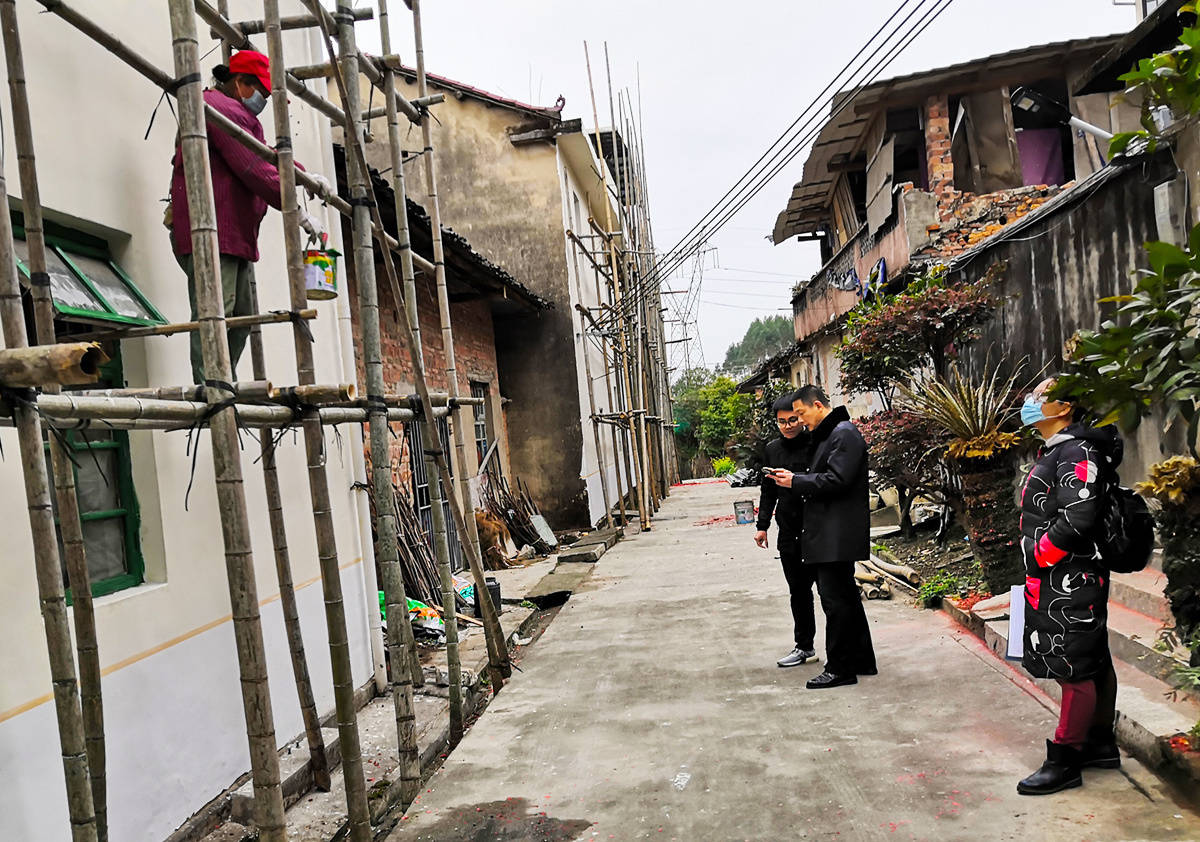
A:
(1063, 501)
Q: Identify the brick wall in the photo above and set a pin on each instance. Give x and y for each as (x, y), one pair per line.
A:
(937, 149)
(474, 352)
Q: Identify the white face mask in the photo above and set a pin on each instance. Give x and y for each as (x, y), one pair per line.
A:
(256, 102)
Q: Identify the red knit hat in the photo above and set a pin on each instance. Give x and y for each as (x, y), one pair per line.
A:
(253, 63)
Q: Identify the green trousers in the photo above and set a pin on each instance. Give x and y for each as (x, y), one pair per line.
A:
(237, 276)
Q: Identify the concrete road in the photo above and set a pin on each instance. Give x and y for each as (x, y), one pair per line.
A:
(652, 709)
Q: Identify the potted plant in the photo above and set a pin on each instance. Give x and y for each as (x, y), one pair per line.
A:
(976, 415)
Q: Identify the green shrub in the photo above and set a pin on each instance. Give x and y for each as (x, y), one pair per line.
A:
(934, 589)
(724, 466)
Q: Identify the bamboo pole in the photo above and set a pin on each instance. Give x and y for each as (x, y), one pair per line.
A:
(243, 593)
(497, 651)
(286, 22)
(274, 317)
(314, 738)
(643, 514)
(389, 528)
(51, 594)
(69, 364)
(431, 444)
(331, 578)
(409, 314)
(61, 418)
(640, 337)
(243, 389)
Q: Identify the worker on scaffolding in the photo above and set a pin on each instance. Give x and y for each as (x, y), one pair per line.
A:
(243, 186)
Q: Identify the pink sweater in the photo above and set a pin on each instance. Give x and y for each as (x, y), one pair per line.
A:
(243, 185)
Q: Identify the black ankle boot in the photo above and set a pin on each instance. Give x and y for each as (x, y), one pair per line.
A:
(1059, 772)
(1100, 751)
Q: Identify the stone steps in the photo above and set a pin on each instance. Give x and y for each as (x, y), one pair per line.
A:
(1142, 592)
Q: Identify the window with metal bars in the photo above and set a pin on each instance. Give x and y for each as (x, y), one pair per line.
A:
(479, 413)
(420, 488)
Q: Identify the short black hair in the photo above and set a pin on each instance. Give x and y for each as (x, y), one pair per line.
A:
(810, 394)
(783, 403)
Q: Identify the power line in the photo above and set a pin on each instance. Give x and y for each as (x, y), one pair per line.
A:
(728, 207)
(813, 129)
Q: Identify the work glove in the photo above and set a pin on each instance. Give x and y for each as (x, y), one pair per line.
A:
(311, 226)
(324, 188)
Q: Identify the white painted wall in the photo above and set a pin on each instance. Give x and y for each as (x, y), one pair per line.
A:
(172, 701)
(578, 168)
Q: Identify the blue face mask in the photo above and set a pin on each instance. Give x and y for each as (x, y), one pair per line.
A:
(256, 102)
(1031, 412)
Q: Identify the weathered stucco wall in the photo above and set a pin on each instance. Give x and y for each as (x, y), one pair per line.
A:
(507, 201)
(1057, 271)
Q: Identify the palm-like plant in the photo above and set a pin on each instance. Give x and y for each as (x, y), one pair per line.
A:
(974, 413)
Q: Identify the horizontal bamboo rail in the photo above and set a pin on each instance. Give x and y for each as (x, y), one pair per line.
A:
(246, 389)
(257, 27)
(73, 364)
(273, 317)
(252, 417)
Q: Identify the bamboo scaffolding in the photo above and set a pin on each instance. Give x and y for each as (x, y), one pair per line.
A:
(318, 759)
(72, 364)
(409, 784)
(369, 305)
(273, 317)
(638, 475)
(167, 83)
(591, 388)
(243, 593)
(638, 329)
(355, 147)
(497, 650)
(73, 731)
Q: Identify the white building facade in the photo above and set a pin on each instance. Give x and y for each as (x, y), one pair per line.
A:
(173, 707)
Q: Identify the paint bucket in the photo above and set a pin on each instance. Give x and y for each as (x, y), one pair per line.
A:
(743, 511)
(493, 589)
(320, 274)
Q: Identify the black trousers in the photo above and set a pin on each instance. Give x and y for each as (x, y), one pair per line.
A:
(800, 580)
(848, 648)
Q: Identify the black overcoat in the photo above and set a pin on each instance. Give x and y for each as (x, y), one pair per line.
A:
(837, 511)
(1062, 503)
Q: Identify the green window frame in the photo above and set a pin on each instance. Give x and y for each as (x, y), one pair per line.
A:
(64, 244)
(83, 448)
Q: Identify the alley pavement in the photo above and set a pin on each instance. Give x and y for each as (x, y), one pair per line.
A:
(652, 709)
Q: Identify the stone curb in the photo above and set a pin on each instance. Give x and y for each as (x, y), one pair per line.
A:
(1141, 742)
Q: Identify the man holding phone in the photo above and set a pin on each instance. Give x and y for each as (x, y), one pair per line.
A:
(785, 455)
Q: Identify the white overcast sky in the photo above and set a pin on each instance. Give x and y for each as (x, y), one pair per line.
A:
(719, 82)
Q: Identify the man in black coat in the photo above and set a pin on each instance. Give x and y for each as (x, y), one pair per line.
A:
(789, 453)
(837, 533)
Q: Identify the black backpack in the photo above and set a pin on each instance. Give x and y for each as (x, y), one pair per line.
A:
(1126, 540)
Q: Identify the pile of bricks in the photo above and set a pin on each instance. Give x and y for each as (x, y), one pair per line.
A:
(969, 218)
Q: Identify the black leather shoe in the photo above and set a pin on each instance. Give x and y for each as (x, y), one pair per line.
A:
(1102, 754)
(828, 679)
(1059, 772)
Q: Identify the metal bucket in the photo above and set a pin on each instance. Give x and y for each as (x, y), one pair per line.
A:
(320, 276)
(743, 511)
